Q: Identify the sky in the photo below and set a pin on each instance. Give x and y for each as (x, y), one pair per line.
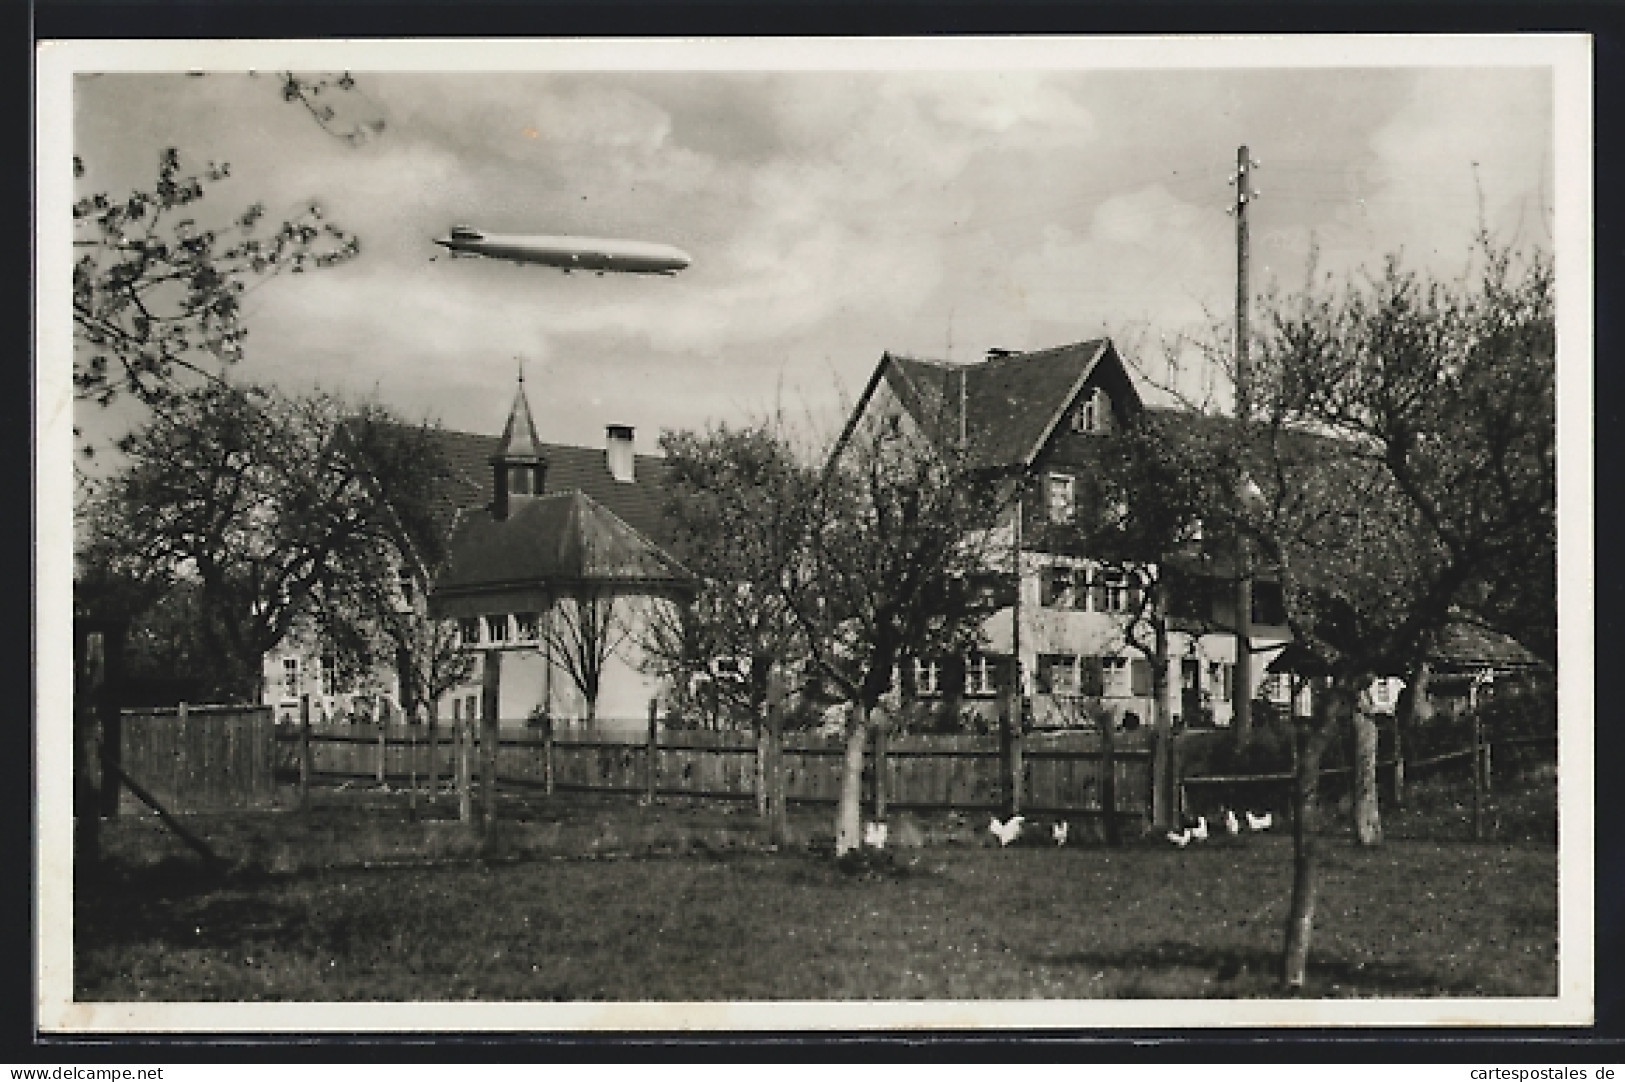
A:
(831, 216)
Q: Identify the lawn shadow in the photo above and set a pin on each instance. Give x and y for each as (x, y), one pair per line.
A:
(1249, 972)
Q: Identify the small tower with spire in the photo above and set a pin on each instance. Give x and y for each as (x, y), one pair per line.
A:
(519, 468)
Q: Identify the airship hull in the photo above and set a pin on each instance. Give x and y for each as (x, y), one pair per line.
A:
(574, 253)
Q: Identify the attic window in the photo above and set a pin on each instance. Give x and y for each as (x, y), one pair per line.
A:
(1094, 414)
(1062, 498)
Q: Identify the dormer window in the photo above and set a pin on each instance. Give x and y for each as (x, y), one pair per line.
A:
(1094, 414)
(496, 628)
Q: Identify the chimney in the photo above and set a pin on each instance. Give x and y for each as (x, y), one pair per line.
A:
(618, 452)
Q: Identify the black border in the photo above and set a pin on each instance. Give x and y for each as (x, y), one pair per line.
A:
(374, 19)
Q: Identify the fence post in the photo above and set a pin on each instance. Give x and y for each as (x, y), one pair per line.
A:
(383, 745)
(1477, 762)
(304, 751)
(652, 763)
(547, 753)
(1108, 778)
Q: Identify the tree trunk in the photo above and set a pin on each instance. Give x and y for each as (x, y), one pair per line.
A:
(1163, 811)
(778, 808)
(849, 808)
(1412, 710)
(1363, 801)
(1305, 822)
(764, 799)
(881, 795)
(490, 703)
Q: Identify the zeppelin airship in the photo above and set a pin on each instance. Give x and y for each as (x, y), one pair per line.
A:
(568, 253)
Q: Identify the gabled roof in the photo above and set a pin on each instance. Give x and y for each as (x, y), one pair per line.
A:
(1008, 406)
(467, 481)
(562, 539)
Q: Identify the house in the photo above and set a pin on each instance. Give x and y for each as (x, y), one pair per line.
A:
(547, 545)
(1041, 416)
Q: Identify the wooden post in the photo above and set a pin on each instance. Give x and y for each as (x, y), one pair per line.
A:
(304, 751)
(651, 763)
(547, 753)
(465, 797)
(383, 738)
(490, 731)
(1477, 762)
(1108, 779)
(434, 750)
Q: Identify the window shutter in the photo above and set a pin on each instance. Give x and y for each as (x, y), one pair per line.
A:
(1097, 595)
(1042, 678)
(1090, 682)
(1046, 588)
(1139, 676)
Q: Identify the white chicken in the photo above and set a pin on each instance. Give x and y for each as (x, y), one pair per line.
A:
(1199, 831)
(1006, 832)
(1059, 832)
(1260, 822)
(1232, 825)
(874, 835)
(1181, 838)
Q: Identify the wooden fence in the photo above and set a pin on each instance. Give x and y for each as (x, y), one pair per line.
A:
(1060, 773)
(199, 758)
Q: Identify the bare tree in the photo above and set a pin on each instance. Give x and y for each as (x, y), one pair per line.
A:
(900, 527)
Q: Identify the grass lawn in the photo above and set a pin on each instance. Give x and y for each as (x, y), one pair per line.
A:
(609, 901)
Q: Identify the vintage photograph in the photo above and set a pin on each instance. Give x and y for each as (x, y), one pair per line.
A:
(814, 534)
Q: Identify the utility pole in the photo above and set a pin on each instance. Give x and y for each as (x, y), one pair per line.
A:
(1241, 676)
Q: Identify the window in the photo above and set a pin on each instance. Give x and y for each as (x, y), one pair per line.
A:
(1114, 678)
(979, 675)
(1116, 591)
(1058, 674)
(408, 588)
(290, 677)
(1269, 604)
(1094, 414)
(1062, 497)
(471, 707)
(330, 683)
(927, 677)
(468, 630)
(1218, 679)
(1278, 687)
(496, 628)
(525, 626)
(519, 481)
(1058, 589)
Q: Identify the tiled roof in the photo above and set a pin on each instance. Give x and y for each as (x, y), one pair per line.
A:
(1469, 645)
(1010, 402)
(640, 502)
(565, 538)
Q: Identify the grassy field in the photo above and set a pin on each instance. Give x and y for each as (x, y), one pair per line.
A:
(605, 900)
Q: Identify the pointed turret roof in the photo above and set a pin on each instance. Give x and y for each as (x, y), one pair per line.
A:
(519, 440)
